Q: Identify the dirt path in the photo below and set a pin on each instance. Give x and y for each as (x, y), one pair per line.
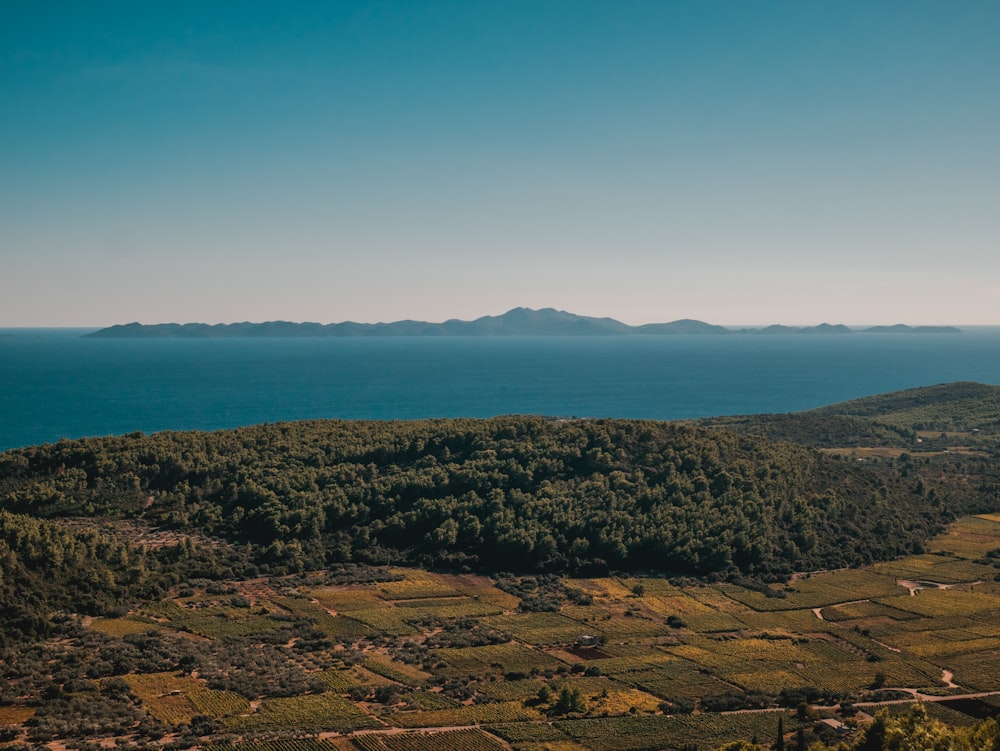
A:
(915, 586)
(924, 697)
(886, 646)
(914, 695)
(818, 612)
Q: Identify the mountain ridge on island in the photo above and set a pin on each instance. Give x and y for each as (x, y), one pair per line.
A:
(515, 322)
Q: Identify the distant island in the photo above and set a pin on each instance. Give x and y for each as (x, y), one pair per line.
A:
(516, 322)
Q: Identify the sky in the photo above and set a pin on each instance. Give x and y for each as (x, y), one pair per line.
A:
(737, 162)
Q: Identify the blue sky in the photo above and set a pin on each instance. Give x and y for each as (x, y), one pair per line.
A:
(737, 162)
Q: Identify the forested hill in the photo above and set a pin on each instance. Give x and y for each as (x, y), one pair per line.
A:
(948, 406)
(511, 493)
(971, 410)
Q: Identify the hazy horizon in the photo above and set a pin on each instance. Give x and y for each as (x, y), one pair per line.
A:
(730, 325)
(783, 162)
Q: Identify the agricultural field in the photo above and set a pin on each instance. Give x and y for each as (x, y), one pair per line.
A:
(285, 744)
(456, 740)
(178, 698)
(398, 672)
(641, 733)
(539, 628)
(311, 609)
(212, 622)
(493, 659)
(855, 611)
(325, 711)
(481, 589)
(472, 714)
(930, 603)
(341, 680)
(940, 569)
(398, 662)
(415, 584)
(970, 538)
(120, 626)
(817, 590)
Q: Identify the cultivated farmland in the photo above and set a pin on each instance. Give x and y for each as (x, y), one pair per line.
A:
(413, 660)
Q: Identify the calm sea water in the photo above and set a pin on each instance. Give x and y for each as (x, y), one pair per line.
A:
(55, 384)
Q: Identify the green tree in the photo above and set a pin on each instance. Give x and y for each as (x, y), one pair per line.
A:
(570, 701)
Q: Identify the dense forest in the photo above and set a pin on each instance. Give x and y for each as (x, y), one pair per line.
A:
(515, 493)
(45, 566)
(521, 494)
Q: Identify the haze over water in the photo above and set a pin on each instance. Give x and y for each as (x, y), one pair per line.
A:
(55, 384)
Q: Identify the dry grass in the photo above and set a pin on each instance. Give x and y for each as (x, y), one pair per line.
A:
(120, 626)
(15, 715)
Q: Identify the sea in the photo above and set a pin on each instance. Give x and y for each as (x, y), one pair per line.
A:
(56, 383)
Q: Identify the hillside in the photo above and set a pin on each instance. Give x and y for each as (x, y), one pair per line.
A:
(514, 493)
(356, 659)
(639, 583)
(970, 410)
(522, 494)
(962, 406)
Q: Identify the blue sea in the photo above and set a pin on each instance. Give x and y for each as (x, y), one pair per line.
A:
(54, 383)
